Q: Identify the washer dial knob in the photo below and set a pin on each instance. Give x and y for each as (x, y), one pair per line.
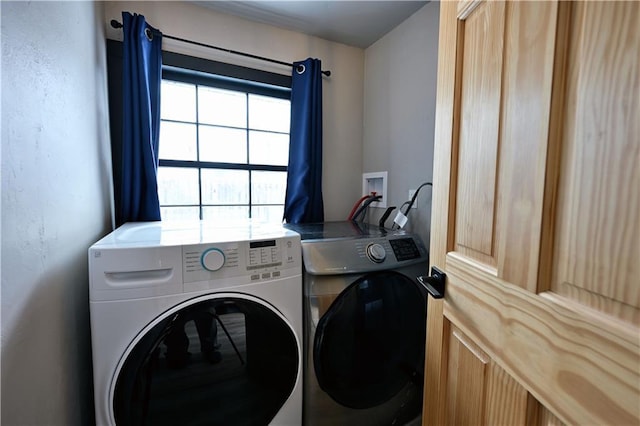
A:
(212, 259)
(376, 253)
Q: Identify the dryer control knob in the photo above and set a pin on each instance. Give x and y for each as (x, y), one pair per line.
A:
(376, 253)
(212, 259)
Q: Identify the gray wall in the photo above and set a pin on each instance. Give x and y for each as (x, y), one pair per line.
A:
(55, 203)
(399, 113)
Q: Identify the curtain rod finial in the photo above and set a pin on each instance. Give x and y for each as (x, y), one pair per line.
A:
(115, 24)
(327, 73)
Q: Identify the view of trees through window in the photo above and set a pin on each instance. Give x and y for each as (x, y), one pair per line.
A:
(223, 153)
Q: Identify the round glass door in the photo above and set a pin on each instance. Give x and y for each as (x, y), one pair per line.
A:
(370, 342)
(228, 359)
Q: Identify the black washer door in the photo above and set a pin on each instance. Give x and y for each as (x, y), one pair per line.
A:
(219, 361)
(370, 342)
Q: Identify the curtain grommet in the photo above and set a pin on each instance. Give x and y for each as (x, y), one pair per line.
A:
(148, 33)
(300, 69)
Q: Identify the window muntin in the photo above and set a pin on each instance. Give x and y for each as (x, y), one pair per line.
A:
(224, 147)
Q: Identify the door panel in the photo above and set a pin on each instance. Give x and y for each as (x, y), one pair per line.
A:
(536, 215)
(531, 28)
(506, 400)
(468, 367)
(597, 247)
(560, 353)
(478, 143)
(546, 418)
(481, 392)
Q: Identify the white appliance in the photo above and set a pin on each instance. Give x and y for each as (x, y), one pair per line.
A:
(231, 297)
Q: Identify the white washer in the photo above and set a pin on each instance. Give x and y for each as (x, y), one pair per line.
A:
(165, 298)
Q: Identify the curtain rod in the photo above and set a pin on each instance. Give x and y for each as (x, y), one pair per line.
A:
(116, 24)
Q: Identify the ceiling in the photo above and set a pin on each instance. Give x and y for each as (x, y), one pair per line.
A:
(358, 23)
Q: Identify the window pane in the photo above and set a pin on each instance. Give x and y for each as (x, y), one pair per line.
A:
(267, 113)
(268, 187)
(228, 213)
(221, 144)
(222, 107)
(178, 101)
(177, 141)
(272, 214)
(225, 186)
(268, 148)
(177, 186)
(179, 213)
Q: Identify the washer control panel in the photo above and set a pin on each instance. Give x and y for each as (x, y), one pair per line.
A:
(357, 255)
(253, 260)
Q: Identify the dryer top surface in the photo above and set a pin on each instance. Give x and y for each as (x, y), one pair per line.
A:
(340, 230)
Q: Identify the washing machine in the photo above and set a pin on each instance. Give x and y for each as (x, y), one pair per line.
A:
(365, 324)
(195, 324)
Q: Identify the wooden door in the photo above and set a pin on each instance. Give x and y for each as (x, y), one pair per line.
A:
(536, 215)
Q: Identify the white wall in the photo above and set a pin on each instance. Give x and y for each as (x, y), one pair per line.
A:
(342, 92)
(399, 113)
(56, 186)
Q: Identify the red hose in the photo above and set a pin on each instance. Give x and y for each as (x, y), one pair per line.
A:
(356, 205)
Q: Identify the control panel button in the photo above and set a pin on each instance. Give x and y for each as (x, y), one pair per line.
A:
(212, 259)
(376, 253)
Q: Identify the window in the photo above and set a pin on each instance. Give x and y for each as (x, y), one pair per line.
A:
(224, 146)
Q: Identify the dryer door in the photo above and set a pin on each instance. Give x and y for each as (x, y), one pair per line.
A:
(369, 345)
(216, 360)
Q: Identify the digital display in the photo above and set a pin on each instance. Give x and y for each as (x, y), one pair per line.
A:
(405, 249)
(261, 244)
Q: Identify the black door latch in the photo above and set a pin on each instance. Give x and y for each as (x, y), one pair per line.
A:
(434, 284)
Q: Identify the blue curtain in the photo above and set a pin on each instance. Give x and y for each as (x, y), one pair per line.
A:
(303, 200)
(141, 79)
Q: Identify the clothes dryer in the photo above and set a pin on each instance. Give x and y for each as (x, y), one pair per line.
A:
(365, 320)
(197, 324)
